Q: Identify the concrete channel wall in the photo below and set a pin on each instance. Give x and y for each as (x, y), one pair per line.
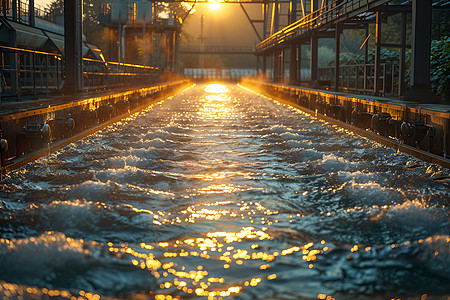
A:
(30, 132)
(422, 130)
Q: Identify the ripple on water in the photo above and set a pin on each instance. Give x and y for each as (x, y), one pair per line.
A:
(225, 195)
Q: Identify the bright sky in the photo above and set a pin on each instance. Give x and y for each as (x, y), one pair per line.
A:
(218, 27)
(42, 2)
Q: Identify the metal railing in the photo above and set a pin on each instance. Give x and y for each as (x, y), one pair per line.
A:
(18, 10)
(27, 72)
(360, 78)
(98, 74)
(32, 74)
(332, 13)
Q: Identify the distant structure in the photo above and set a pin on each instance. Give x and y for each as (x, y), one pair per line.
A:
(137, 24)
(29, 34)
(311, 20)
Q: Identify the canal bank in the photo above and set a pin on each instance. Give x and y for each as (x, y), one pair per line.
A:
(421, 130)
(223, 194)
(29, 130)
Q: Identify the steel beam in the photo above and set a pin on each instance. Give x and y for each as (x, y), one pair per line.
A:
(251, 22)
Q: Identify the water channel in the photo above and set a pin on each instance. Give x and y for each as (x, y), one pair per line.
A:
(218, 193)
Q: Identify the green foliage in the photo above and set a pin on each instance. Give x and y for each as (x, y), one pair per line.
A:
(94, 32)
(387, 56)
(440, 67)
(440, 24)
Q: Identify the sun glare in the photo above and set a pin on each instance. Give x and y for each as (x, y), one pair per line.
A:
(216, 88)
(214, 5)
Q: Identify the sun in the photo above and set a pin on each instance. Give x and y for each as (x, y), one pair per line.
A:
(214, 5)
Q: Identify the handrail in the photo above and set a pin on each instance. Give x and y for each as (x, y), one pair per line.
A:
(120, 64)
(321, 17)
(31, 51)
(36, 72)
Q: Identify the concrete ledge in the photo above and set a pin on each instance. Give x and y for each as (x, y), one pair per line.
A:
(70, 121)
(379, 119)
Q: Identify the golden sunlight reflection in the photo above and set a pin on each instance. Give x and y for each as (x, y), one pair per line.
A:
(217, 106)
(214, 5)
(203, 266)
(216, 87)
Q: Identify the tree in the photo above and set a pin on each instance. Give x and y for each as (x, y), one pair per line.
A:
(94, 32)
(440, 67)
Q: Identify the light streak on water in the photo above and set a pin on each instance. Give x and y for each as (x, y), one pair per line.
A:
(217, 193)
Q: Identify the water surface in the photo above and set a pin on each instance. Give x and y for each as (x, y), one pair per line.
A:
(225, 194)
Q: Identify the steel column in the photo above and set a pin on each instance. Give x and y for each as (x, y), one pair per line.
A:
(402, 65)
(366, 56)
(420, 43)
(337, 52)
(275, 17)
(293, 63)
(299, 63)
(14, 10)
(376, 85)
(292, 11)
(264, 66)
(31, 15)
(73, 47)
(265, 18)
(177, 48)
(314, 5)
(314, 59)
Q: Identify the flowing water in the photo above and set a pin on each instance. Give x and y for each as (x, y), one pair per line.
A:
(225, 194)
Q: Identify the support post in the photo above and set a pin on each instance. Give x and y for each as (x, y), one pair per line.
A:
(264, 66)
(73, 46)
(274, 66)
(299, 63)
(293, 63)
(144, 42)
(31, 15)
(314, 5)
(33, 57)
(265, 18)
(314, 60)
(275, 17)
(14, 10)
(420, 53)
(177, 47)
(402, 64)
(292, 11)
(337, 52)
(376, 85)
(366, 56)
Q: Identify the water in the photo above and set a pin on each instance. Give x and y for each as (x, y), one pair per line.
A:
(225, 195)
